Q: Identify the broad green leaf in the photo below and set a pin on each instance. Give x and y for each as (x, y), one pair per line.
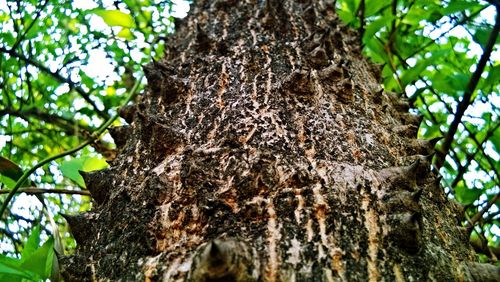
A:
(481, 36)
(346, 16)
(493, 77)
(116, 18)
(7, 37)
(495, 140)
(70, 170)
(413, 74)
(374, 7)
(376, 50)
(375, 26)
(31, 244)
(91, 164)
(11, 270)
(465, 195)
(12, 274)
(9, 182)
(40, 262)
(125, 33)
(457, 6)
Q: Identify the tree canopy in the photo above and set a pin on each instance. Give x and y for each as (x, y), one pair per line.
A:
(66, 67)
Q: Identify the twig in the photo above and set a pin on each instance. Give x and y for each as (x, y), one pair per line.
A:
(480, 214)
(34, 190)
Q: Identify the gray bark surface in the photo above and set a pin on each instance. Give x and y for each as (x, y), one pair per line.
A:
(266, 150)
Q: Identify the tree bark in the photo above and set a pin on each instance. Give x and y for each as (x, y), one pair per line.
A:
(265, 150)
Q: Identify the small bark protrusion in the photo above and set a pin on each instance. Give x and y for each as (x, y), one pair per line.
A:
(377, 71)
(318, 57)
(202, 40)
(423, 147)
(224, 260)
(163, 139)
(152, 73)
(345, 93)
(483, 271)
(120, 135)
(162, 82)
(402, 105)
(74, 267)
(173, 87)
(405, 231)
(400, 178)
(409, 118)
(309, 15)
(331, 72)
(299, 82)
(403, 201)
(377, 97)
(80, 226)
(269, 13)
(409, 131)
(98, 184)
(127, 113)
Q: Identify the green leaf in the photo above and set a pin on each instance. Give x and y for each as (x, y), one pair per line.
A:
(91, 164)
(493, 76)
(11, 270)
(375, 26)
(374, 7)
(125, 33)
(115, 18)
(457, 6)
(32, 244)
(12, 274)
(9, 182)
(376, 50)
(465, 195)
(40, 262)
(70, 170)
(481, 36)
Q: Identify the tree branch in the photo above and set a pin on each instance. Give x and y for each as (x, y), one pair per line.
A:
(34, 190)
(466, 100)
(480, 214)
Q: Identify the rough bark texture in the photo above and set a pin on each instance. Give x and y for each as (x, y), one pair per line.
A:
(265, 150)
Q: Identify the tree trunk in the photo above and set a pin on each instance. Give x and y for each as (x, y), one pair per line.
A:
(265, 150)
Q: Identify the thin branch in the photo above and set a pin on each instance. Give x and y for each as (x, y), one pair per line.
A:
(467, 101)
(480, 214)
(34, 190)
(470, 157)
